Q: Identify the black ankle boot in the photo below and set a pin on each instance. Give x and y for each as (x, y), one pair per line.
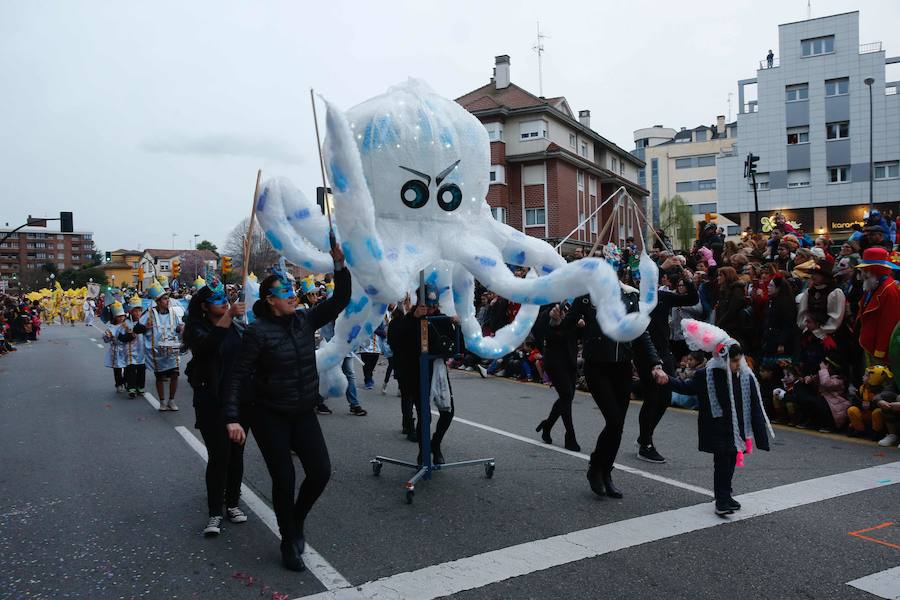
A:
(290, 556)
(611, 490)
(436, 453)
(544, 427)
(596, 481)
(572, 443)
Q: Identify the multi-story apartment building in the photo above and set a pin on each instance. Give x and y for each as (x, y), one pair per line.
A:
(122, 267)
(809, 124)
(683, 163)
(32, 247)
(549, 169)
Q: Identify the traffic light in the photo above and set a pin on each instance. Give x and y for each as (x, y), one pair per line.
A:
(108, 256)
(750, 165)
(176, 269)
(65, 222)
(226, 265)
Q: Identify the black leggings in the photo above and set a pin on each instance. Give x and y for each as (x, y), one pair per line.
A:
(135, 376)
(723, 472)
(390, 369)
(224, 469)
(276, 435)
(370, 359)
(563, 378)
(119, 376)
(656, 398)
(609, 385)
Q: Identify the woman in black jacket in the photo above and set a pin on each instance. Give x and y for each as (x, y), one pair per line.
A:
(559, 327)
(730, 315)
(780, 328)
(607, 370)
(277, 371)
(214, 338)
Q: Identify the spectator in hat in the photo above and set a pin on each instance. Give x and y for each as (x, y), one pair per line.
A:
(880, 305)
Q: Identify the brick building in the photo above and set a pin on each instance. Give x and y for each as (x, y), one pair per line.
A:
(32, 247)
(549, 169)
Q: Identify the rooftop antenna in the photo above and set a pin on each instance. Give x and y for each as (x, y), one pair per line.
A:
(730, 94)
(539, 48)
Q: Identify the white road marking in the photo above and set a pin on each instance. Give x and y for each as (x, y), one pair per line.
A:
(625, 468)
(152, 400)
(93, 339)
(515, 561)
(885, 584)
(101, 346)
(317, 565)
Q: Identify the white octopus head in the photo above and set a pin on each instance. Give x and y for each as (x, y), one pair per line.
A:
(425, 158)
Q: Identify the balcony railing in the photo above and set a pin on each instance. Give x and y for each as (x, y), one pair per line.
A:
(871, 47)
(764, 63)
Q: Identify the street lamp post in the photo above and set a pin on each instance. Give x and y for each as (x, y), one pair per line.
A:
(869, 81)
(196, 235)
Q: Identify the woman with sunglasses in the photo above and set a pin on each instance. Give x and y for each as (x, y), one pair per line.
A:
(276, 371)
(214, 338)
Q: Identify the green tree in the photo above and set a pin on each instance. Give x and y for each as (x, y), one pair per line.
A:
(676, 218)
(81, 277)
(208, 245)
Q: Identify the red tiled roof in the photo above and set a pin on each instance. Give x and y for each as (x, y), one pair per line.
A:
(512, 97)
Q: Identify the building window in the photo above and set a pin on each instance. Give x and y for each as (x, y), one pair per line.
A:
(837, 131)
(700, 135)
(701, 209)
(592, 186)
(579, 177)
(837, 87)
(495, 131)
(529, 130)
(798, 178)
(706, 184)
(499, 214)
(816, 46)
(733, 230)
(683, 163)
(796, 93)
(594, 224)
(838, 174)
(613, 164)
(534, 216)
(887, 170)
(497, 174)
(581, 222)
(621, 167)
(685, 186)
(572, 140)
(708, 160)
(797, 135)
(584, 150)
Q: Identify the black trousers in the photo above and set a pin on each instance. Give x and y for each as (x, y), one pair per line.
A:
(224, 469)
(135, 376)
(119, 376)
(370, 359)
(277, 435)
(609, 385)
(563, 378)
(656, 399)
(723, 472)
(390, 370)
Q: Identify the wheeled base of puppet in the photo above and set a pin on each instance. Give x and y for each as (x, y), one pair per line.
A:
(424, 472)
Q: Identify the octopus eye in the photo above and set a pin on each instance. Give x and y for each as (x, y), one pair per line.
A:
(449, 197)
(414, 194)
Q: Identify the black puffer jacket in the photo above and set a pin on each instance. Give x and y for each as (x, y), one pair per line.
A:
(214, 351)
(598, 348)
(277, 364)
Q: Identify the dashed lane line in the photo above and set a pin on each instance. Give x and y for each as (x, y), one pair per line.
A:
(625, 468)
(315, 562)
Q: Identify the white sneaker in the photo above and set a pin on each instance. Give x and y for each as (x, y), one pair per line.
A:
(482, 371)
(469, 369)
(384, 389)
(236, 515)
(890, 439)
(120, 389)
(172, 405)
(213, 527)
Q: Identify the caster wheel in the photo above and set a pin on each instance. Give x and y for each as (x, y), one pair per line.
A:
(376, 468)
(409, 496)
(489, 470)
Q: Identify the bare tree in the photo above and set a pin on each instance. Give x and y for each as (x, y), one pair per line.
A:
(192, 265)
(262, 254)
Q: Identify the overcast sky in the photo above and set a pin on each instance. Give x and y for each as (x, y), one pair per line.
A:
(151, 118)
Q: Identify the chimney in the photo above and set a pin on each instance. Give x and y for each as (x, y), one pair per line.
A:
(720, 124)
(501, 71)
(584, 117)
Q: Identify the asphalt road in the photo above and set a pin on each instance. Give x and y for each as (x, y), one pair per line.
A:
(102, 497)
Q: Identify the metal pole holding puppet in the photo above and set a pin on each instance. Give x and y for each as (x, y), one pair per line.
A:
(248, 241)
(326, 204)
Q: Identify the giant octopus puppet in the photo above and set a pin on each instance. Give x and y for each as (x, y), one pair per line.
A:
(409, 172)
